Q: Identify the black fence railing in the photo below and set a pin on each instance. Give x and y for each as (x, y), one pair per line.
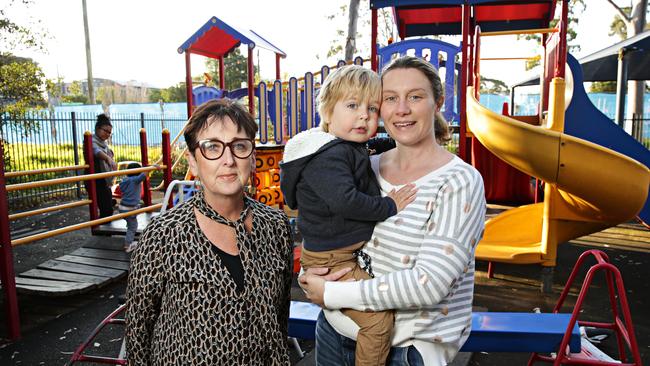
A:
(40, 140)
(640, 130)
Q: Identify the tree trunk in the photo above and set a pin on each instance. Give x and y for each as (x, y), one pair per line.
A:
(351, 42)
(89, 64)
(635, 25)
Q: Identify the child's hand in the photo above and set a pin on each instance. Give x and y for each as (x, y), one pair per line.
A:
(403, 196)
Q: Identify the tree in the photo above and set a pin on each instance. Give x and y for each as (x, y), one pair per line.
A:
(89, 63)
(631, 21)
(75, 94)
(493, 86)
(14, 35)
(22, 86)
(173, 94)
(235, 69)
(351, 40)
(603, 87)
(576, 8)
(22, 82)
(338, 47)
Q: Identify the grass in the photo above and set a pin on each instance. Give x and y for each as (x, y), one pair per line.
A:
(24, 157)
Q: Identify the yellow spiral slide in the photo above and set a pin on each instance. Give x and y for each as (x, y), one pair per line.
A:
(588, 187)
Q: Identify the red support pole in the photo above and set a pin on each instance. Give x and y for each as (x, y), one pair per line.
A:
(373, 40)
(188, 83)
(462, 146)
(251, 101)
(222, 76)
(477, 62)
(562, 45)
(277, 67)
(7, 275)
(166, 158)
(144, 156)
(91, 185)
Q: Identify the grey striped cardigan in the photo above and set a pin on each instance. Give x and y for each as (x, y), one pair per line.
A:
(423, 259)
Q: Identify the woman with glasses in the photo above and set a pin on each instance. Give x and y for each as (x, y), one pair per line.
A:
(210, 281)
(104, 162)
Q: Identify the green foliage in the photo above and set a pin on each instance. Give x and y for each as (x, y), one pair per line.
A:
(618, 27)
(75, 94)
(14, 35)
(576, 8)
(493, 86)
(39, 156)
(173, 94)
(22, 84)
(603, 87)
(235, 65)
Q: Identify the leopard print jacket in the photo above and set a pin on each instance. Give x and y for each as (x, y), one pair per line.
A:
(183, 307)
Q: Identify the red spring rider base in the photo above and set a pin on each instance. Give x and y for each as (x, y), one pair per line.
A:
(622, 326)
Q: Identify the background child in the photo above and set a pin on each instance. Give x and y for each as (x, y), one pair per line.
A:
(131, 188)
(326, 175)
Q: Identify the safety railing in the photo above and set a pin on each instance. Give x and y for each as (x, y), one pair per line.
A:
(6, 243)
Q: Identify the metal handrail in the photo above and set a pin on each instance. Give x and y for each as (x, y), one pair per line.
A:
(80, 178)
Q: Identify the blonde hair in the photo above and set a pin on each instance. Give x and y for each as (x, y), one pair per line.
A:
(440, 125)
(348, 80)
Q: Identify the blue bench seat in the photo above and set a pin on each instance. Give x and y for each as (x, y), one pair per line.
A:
(491, 331)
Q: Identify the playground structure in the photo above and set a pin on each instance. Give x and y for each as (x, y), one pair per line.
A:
(42, 282)
(552, 145)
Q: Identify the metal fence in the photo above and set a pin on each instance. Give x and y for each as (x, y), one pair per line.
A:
(640, 130)
(40, 140)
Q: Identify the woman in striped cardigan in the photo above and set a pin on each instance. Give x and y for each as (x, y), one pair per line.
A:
(423, 257)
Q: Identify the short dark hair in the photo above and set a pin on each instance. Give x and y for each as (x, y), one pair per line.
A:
(102, 120)
(218, 109)
(133, 165)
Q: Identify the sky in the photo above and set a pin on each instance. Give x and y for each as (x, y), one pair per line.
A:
(138, 39)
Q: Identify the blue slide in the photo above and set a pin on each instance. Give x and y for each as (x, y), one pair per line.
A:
(585, 121)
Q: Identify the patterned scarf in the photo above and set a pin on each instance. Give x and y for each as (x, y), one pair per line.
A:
(243, 237)
(203, 207)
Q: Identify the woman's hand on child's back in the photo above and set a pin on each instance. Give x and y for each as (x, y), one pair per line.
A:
(403, 196)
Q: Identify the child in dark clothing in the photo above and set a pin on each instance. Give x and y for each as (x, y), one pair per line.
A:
(131, 188)
(326, 175)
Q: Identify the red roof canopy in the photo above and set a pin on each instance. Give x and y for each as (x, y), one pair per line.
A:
(216, 39)
(430, 17)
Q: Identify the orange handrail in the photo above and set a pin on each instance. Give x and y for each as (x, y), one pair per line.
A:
(46, 170)
(49, 209)
(83, 225)
(80, 178)
(523, 31)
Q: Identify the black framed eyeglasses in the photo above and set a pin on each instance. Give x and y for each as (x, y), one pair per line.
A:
(213, 149)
